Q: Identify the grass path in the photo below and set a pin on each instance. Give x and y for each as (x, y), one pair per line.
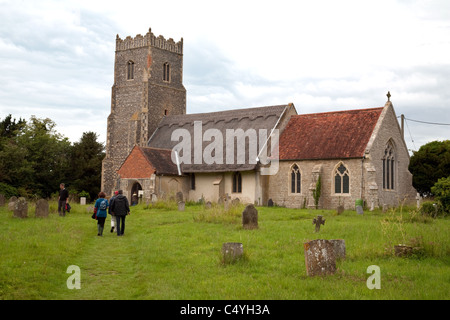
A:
(166, 254)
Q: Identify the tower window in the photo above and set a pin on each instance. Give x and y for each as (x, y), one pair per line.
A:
(166, 72)
(130, 70)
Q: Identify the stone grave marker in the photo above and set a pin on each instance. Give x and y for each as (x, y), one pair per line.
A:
(208, 205)
(181, 206)
(179, 196)
(83, 201)
(270, 203)
(12, 203)
(340, 209)
(42, 209)
(232, 251)
(235, 202)
(21, 208)
(318, 221)
(250, 217)
(319, 257)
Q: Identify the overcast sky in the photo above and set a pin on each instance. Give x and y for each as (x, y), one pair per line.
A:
(57, 57)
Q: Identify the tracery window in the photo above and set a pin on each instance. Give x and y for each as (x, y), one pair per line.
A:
(341, 180)
(389, 166)
(296, 186)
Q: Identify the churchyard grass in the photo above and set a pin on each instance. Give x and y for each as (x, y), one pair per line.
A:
(166, 254)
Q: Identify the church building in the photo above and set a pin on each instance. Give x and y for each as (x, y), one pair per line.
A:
(155, 150)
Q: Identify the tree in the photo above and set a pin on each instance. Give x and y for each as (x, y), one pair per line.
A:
(47, 152)
(441, 191)
(430, 163)
(86, 163)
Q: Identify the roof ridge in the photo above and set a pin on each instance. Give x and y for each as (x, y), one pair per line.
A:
(341, 111)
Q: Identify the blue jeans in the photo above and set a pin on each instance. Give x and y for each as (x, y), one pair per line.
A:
(120, 227)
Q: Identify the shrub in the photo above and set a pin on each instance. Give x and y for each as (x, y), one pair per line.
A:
(441, 191)
(7, 190)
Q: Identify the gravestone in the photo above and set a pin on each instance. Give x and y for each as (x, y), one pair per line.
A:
(235, 202)
(319, 257)
(232, 251)
(340, 209)
(339, 248)
(42, 208)
(154, 198)
(270, 203)
(250, 217)
(181, 206)
(318, 221)
(179, 196)
(12, 203)
(83, 201)
(21, 208)
(359, 210)
(208, 205)
(2, 200)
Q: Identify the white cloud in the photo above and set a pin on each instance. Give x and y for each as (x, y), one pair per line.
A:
(57, 57)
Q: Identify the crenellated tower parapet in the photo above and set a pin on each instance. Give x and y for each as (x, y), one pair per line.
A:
(149, 39)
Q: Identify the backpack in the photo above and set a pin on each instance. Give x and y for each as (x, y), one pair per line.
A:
(103, 205)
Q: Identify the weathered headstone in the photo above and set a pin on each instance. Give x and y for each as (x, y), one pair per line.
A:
(359, 210)
(21, 208)
(339, 248)
(270, 203)
(232, 251)
(340, 209)
(318, 221)
(250, 217)
(154, 198)
(42, 208)
(208, 205)
(179, 196)
(181, 206)
(235, 202)
(12, 203)
(319, 257)
(83, 201)
(2, 200)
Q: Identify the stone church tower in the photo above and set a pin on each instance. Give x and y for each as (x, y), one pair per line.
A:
(148, 84)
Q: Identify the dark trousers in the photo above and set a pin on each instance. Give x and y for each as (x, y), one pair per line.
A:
(101, 221)
(62, 205)
(120, 227)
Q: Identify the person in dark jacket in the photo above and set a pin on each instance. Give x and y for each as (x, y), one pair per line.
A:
(120, 208)
(113, 218)
(63, 199)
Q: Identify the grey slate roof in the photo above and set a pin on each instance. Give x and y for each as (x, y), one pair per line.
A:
(251, 118)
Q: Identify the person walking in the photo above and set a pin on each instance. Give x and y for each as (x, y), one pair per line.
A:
(113, 218)
(120, 208)
(102, 205)
(63, 199)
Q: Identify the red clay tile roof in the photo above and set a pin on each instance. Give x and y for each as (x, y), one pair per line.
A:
(329, 135)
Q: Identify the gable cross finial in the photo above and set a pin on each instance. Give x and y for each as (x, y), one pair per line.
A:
(389, 95)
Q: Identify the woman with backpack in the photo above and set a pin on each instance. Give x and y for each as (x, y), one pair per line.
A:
(102, 205)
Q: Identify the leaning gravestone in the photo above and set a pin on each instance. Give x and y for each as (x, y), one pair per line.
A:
(250, 217)
(319, 257)
(41, 208)
(232, 251)
(2, 200)
(21, 208)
